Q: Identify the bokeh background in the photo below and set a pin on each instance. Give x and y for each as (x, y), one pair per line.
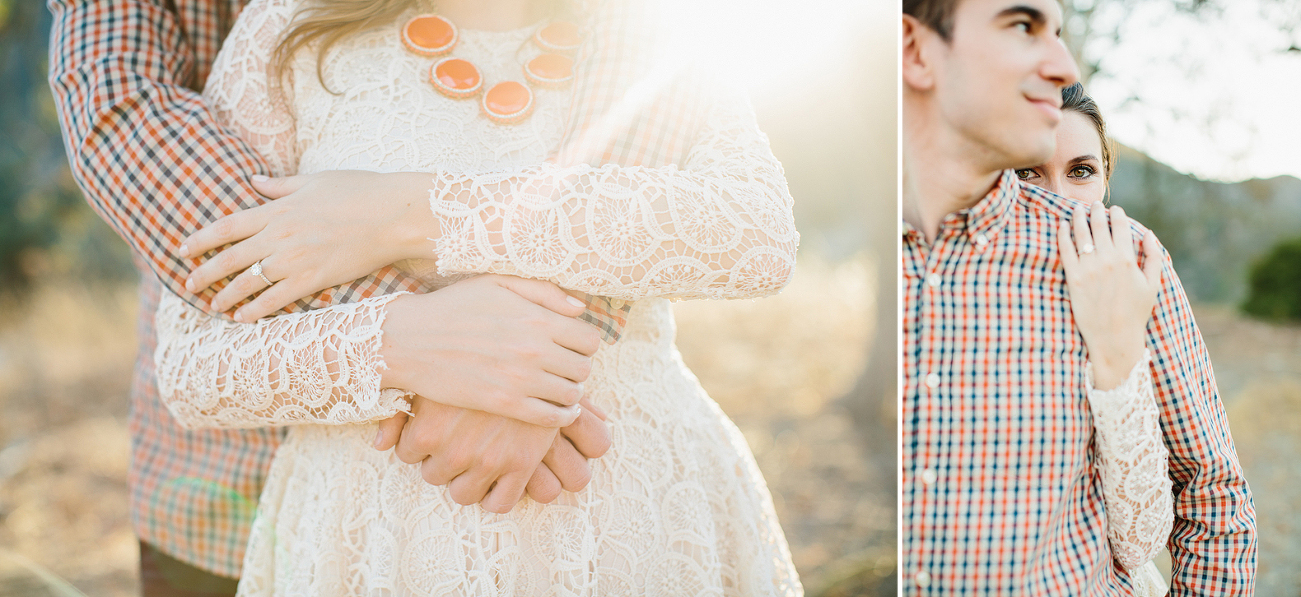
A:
(809, 376)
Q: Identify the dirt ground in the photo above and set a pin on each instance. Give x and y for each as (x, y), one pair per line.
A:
(776, 366)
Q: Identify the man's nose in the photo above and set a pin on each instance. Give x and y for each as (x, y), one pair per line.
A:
(1059, 66)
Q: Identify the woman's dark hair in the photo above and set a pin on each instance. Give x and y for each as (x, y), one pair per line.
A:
(1075, 100)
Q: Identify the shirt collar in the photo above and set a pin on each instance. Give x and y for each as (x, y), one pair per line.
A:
(987, 217)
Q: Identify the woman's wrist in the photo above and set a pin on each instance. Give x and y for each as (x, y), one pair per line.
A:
(390, 353)
(415, 228)
(1112, 367)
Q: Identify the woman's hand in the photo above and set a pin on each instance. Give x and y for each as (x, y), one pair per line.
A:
(322, 230)
(1112, 299)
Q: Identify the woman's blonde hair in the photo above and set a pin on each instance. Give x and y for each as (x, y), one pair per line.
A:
(326, 22)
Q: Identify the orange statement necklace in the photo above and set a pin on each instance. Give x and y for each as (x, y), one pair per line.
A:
(507, 102)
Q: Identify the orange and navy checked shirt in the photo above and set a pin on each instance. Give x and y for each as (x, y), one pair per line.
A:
(1000, 492)
(155, 164)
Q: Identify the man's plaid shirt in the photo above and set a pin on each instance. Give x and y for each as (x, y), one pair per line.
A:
(1000, 493)
(154, 163)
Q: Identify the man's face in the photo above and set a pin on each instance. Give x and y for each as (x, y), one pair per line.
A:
(998, 82)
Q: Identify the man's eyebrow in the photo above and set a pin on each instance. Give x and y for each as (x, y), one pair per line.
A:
(1035, 15)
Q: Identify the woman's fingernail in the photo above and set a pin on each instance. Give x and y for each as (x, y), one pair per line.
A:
(379, 433)
(184, 250)
(189, 285)
(239, 317)
(260, 178)
(575, 302)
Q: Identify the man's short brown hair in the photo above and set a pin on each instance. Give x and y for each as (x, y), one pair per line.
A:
(936, 14)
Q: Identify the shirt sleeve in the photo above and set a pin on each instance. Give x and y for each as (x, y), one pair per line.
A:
(149, 154)
(1214, 540)
(1134, 466)
(721, 226)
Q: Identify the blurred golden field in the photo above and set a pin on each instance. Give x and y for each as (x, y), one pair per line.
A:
(778, 366)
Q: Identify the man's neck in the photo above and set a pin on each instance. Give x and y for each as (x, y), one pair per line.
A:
(941, 175)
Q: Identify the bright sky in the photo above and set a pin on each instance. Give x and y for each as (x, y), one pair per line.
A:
(1218, 97)
(779, 46)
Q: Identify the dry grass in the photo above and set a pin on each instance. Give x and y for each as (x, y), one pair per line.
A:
(775, 365)
(65, 367)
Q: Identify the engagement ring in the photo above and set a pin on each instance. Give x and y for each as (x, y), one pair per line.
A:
(257, 271)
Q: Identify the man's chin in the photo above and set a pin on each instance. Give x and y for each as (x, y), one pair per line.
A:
(1029, 155)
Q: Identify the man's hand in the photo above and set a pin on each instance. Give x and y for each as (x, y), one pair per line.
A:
(483, 457)
(322, 230)
(499, 344)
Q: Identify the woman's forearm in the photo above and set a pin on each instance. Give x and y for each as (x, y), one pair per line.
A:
(720, 227)
(320, 367)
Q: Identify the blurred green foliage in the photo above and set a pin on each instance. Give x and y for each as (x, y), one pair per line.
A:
(46, 228)
(1274, 285)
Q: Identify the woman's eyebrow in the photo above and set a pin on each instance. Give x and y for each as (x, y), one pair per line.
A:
(1088, 157)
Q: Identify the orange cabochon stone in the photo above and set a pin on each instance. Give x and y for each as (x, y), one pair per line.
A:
(549, 70)
(429, 35)
(508, 102)
(456, 78)
(560, 36)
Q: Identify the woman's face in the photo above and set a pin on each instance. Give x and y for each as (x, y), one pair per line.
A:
(1075, 170)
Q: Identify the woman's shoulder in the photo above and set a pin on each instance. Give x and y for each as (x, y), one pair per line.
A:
(256, 12)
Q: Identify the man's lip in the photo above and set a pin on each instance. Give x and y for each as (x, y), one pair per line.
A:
(1049, 106)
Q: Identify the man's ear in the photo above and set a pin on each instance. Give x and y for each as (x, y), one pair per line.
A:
(917, 70)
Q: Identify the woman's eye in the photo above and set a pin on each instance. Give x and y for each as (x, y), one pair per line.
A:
(1025, 174)
(1081, 172)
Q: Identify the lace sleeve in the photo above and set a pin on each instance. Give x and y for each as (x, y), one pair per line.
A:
(1133, 459)
(721, 227)
(242, 92)
(316, 367)
(320, 367)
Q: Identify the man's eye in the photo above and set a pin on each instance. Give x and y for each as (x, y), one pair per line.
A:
(1024, 26)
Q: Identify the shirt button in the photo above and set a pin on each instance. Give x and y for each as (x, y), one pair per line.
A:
(982, 240)
(929, 476)
(933, 380)
(923, 579)
(933, 280)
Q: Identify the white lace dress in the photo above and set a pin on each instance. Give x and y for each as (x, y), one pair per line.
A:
(676, 507)
(1133, 460)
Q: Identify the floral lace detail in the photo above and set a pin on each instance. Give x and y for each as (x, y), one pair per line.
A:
(722, 227)
(240, 87)
(1133, 459)
(676, 507)
(287, 370)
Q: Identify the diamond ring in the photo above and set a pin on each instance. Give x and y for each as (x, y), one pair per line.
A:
(1086, 249)
(257, 271)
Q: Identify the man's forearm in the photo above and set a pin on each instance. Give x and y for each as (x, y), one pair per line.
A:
(1213, 543)
(143, 147)
(151, 157)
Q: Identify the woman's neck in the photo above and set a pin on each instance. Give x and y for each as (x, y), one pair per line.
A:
(491, 15)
